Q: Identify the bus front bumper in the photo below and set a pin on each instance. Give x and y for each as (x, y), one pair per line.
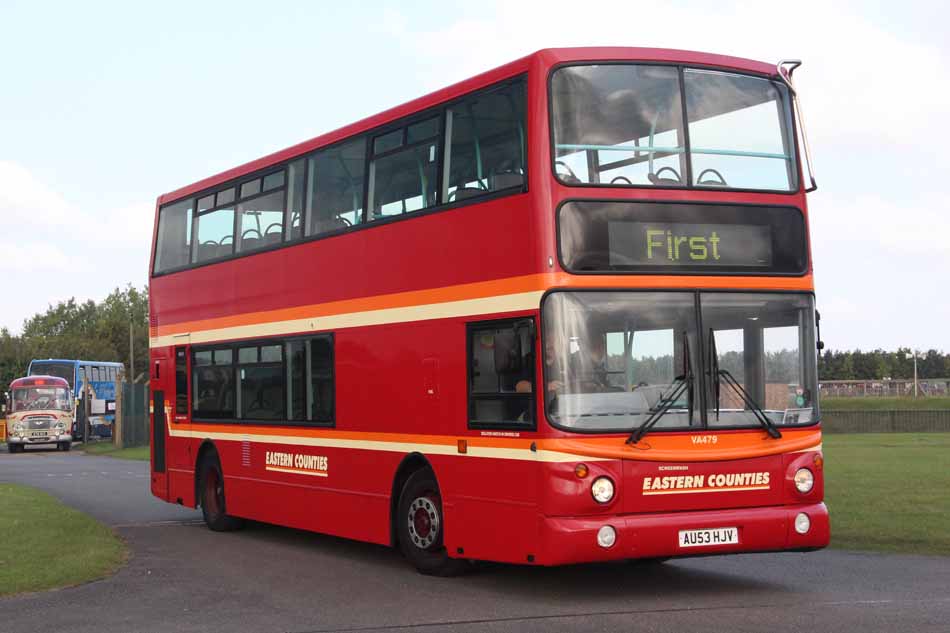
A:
(567, 540)
(43, 439)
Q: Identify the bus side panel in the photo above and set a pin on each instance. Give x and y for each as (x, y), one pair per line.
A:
(490, 507)
(349, 498)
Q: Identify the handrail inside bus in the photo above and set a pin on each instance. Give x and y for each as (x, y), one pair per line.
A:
(673, 150)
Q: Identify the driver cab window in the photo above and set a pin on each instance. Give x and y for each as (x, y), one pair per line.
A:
(501, 368)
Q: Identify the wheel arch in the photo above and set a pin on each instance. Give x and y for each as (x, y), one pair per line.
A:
(206, 449)
(411, 463)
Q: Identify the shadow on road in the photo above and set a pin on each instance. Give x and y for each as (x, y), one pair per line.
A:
(595, 581)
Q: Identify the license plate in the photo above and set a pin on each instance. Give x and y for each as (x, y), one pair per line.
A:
(39, 433)
(710, 536)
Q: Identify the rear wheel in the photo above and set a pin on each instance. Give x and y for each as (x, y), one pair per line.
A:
(211, 490)
(420, 525)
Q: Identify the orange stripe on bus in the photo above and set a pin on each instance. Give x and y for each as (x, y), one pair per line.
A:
(479, 290)
(670, 447)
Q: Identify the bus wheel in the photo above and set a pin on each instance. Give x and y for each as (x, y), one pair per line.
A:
(420, 525)
(211, 487)
(13, 448)
(63, 446)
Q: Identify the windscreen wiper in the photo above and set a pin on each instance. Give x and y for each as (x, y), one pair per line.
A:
(730, 380)
(682, 383)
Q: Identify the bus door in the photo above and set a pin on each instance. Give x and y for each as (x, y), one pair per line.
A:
(159, 426)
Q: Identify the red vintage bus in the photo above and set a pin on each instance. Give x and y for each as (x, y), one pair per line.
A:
(559, 312)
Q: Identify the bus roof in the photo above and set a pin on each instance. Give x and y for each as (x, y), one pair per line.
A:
(544, 58)
(107, 363)
(37, 381)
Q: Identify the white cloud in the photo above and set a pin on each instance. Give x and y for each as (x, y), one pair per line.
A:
(51, 250)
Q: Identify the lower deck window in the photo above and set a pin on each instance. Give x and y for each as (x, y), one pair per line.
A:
(278, 381)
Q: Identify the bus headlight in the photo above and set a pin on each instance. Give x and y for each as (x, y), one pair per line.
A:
(17, 426)
(804, 480)
(602, 490)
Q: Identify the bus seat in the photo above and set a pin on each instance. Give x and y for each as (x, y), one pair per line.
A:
(507, 179)
(489, 410)
(271, 238)
(463, 193)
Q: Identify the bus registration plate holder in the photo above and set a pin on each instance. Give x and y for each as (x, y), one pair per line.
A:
(709, 536)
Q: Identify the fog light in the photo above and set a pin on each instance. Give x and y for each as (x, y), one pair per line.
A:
(804, 480)
(607, 536)
(802, 523)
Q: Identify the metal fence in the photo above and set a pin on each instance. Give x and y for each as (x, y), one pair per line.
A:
(132, 406)
(884, 388)
(907, 421)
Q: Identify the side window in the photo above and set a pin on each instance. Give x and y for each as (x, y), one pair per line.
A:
(212, 385)
(261, 221)
(260, 371)
(501, 374)
(174, 236)
(403, 173)
(215, 229)
(181, 381)
(293, 218)
(310, 379)
(485, 141)
(335, 190)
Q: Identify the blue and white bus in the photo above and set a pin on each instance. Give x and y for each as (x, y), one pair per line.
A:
(101, 376)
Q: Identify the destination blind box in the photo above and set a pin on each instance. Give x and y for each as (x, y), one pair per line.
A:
(673, 237)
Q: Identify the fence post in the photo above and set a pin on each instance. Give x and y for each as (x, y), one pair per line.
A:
(118, 430)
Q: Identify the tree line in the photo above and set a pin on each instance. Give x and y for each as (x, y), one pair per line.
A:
(81, 330)
(782, 365)
(877, 364)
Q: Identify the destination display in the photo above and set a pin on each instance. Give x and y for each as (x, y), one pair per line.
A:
(669, 243)
(680, 237)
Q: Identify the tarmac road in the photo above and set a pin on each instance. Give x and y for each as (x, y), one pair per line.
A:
(183, 577)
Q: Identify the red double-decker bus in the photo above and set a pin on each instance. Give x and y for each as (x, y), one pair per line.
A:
(559, 312)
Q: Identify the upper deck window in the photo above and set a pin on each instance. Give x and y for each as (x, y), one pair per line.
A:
(485, 142)
(471, 146)
(335, 190)
(174, 236)
(403, 174)
(623, 125)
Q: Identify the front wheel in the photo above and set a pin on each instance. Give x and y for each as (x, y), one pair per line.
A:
(211, 490)
(420, 526)
(14, 448)
(64, 446)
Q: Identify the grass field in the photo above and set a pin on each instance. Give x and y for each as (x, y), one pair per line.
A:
(889, 492)
(106, 448)
(47, 544)
(883, 404)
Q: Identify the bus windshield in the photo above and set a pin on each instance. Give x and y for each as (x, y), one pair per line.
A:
(627, 124)
(40, 398)
(60, 370)
(613, 359)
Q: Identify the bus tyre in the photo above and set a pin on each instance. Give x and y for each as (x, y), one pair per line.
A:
(13, 448)
(211, 491)
(64, 446)
(419, 527)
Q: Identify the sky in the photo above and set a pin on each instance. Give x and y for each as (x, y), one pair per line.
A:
(106, 105)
